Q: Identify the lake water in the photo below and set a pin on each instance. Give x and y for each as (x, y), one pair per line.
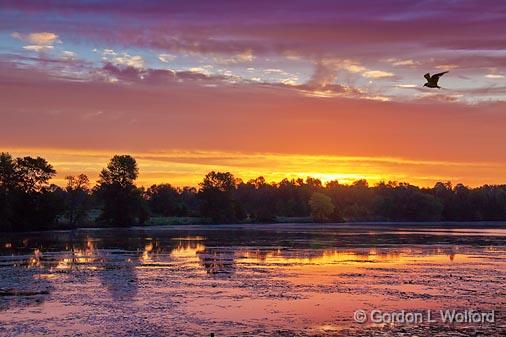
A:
(251, 280)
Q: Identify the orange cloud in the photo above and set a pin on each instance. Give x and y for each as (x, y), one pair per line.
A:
(248, 129)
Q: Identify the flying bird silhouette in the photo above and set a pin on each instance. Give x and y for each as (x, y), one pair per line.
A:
(432, 80)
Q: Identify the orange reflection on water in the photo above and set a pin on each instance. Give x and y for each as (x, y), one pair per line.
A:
(346, 257)
(146, 254)
(155, 256)
(309, 267)
(35, 259)
(187, 250)
(78, 256)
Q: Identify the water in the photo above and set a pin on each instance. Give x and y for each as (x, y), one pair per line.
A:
(261, 280)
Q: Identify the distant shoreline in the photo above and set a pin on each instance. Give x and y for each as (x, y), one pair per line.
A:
(411, 225)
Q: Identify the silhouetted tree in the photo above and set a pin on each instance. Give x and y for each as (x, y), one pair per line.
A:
(258, 199)
(403, 202)
(162, 200)
(217, 195)
(357, 200)
(27, 200)
(77, 199)
(443, 191)
(321, 207)
(122, 200)
(7, 188)
(293, 195)
(190, 202)
(33, 174)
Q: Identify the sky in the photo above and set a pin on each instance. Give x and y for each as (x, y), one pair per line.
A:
(330, 89)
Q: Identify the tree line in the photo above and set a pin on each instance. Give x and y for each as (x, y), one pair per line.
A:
(29, 202)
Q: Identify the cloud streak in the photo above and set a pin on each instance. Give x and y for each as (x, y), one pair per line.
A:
(186, 168)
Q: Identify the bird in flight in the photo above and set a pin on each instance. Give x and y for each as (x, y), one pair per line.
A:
(432, 80)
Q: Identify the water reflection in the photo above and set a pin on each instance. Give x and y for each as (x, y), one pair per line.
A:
(346, 256)
(184, 280)
(119, 277)
(187, 250)
(119, 259)
(79, 258)
(146, 254)
(34, 261)
(25, 284)
(214, 260)
(218, 261)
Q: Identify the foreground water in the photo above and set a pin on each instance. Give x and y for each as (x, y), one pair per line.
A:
(262, 280)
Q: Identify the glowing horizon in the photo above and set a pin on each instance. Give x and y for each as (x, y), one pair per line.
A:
(187, 168)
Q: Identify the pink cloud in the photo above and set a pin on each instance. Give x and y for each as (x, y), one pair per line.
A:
(185, 115)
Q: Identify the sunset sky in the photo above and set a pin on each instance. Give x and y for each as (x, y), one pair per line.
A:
(331, 89)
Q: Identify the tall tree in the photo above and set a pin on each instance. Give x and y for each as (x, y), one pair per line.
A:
(33, 174)
(7, 186)
(27, 200)
(217, 195)
(122, 200)
(122, 170)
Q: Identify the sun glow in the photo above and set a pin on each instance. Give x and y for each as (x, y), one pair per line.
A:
(186, 168)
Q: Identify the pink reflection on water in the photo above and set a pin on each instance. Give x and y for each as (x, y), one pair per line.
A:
(187, 284)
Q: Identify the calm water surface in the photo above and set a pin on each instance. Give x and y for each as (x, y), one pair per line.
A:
(262, 280)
